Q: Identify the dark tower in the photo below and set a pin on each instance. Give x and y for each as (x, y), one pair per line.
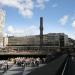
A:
(41, 33)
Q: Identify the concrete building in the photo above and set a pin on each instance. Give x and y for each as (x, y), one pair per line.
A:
(51, 41)
(56, 39)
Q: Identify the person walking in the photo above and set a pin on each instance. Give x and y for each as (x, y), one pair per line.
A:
(7, 66)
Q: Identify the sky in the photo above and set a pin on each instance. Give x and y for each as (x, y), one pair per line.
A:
(22, 17)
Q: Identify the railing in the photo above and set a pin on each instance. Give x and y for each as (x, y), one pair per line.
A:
(26, 53)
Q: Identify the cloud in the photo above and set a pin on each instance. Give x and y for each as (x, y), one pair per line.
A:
(73, 23)
(54, 5)
(63, 20)
(10, 29)
(32, 30)
(41, 3)
(25, 7)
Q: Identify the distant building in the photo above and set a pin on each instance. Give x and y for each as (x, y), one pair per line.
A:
(51, 41)
(56, 39)
(71, 42)
(1, 40)
(5, 41)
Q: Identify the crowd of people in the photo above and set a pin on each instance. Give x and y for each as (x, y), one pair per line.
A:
(21, 61)
(32, 62)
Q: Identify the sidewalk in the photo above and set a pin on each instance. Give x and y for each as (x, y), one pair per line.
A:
(16, 70)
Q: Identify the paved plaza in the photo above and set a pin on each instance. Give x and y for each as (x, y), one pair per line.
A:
(18, 70)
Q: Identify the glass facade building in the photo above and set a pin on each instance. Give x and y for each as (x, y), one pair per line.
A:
(51, 41)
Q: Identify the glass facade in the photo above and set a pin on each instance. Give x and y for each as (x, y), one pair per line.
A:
(50, 41)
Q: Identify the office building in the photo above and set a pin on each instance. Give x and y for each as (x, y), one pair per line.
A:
(51, 41)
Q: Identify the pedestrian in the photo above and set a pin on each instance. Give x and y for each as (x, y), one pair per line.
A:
(24, 65)
(7, 66)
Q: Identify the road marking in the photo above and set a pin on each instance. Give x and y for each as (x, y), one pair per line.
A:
(64, 68)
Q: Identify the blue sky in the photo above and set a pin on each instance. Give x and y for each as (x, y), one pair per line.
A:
(22, 16)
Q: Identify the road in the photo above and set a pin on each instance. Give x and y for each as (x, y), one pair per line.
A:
(70, 68)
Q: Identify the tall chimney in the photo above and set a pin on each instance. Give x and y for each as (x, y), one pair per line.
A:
(41, 32)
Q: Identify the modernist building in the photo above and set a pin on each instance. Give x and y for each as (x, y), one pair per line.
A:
(51, 41)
